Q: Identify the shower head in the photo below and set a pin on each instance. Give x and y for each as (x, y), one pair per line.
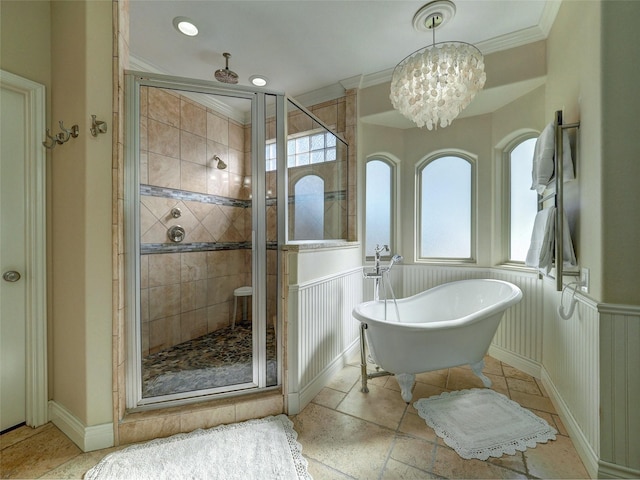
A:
(220, 164)
(225, 75)
(396, 259)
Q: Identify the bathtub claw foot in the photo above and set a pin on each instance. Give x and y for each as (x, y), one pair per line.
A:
(477, 369)
(405, 380)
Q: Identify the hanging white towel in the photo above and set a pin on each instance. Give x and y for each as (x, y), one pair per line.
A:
(541, 251)
(543, 155)
(540, 254)
(568, 254)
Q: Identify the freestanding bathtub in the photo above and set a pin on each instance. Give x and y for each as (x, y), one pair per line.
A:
(446, 326)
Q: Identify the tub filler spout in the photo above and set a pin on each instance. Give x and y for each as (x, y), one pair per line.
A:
(443, 327)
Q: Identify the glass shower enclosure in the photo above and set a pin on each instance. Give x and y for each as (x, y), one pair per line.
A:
(206, 165)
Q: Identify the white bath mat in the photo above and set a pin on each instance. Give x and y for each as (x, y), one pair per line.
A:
(255, 449)
(481, 423)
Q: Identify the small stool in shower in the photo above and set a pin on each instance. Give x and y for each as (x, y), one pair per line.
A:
(240, 292)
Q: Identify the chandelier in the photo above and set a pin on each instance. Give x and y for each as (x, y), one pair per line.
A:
(435, 83)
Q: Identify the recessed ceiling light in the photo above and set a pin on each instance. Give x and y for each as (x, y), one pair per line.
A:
(258, 80)
(185, 26)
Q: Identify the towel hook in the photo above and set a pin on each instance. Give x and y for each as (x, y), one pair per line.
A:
(61, 137)
(97, 126)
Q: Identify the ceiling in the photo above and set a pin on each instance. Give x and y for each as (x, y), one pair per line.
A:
(313, 48)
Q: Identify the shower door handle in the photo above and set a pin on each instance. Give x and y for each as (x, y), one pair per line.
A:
(11, 276)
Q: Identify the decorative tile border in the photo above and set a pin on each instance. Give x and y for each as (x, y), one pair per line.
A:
(151, 248)
(153, 191)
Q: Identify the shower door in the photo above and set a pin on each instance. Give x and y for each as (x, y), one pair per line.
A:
(202, 263)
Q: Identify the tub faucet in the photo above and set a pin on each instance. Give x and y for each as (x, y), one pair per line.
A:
(379, 249)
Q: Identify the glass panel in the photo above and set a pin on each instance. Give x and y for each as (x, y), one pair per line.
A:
(302, 144)
(378, 205)
(317, 142)
(523, 201)
(327, 161)
(271, 216)
(445, 208)
(302, 159)
(317, 157)
(196, 319)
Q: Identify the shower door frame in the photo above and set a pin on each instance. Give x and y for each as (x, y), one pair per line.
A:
(133, 363)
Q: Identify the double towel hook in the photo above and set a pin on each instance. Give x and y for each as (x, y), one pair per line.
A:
(62, 137)
(97, 126)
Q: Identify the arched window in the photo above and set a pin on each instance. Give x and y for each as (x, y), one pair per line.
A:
(522, 201)
(446, 222)
(309, 208)
(379, 204)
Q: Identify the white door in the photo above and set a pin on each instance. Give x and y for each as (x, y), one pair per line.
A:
(21, 297)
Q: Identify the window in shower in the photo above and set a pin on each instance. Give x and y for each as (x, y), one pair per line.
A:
(309, 208)
(523, 202)
(305, 150)
(446, 224)
(379, 204)
(202, 324)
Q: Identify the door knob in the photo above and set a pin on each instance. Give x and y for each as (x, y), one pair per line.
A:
(11, 276)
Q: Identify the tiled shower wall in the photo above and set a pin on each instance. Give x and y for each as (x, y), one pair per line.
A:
(186, 294)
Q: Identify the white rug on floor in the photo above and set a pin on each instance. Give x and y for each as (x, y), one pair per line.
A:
(481, 423)
(256, 449)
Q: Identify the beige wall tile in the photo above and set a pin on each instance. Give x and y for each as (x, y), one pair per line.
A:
(164, 301)
(193, 118)
(217, 129)
(157, 427)
(193, 266)
(164, 106)
(163, 139)
(164, 171)
(193, 148)
(164, 269)
(199, 234)
(219, 316)
(236, 136)
(159, 206)
(156, 234)
(193, 177)
(258, 408)
(217, 182)
(207, 418)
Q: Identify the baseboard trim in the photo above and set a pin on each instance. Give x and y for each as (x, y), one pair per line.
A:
(521, 363)
(297, 401)
(584, 449)
(86, 438)
(611, 470)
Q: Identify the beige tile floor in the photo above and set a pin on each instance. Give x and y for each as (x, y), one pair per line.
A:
(346, 434)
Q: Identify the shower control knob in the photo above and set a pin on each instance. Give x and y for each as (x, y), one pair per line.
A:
(176, 234)
(11, 276)
(176, 212)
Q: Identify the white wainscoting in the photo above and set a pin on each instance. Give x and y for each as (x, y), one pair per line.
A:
(619, 391)
(571, 370)
(322, 333)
